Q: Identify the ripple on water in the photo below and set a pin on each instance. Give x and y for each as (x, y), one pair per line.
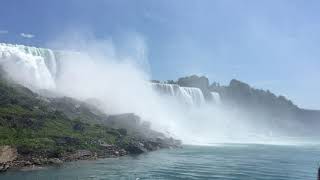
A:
(229, 162)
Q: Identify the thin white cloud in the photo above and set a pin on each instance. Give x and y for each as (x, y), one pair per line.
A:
(4, 32)
(25, 35)
(154, 17)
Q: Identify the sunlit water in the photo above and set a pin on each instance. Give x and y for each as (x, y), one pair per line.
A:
(193, 162)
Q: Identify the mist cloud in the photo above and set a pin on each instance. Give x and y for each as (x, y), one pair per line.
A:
(113, 75)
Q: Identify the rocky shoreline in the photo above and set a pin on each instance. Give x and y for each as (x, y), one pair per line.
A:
(14, 158)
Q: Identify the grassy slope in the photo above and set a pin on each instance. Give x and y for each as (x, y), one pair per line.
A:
(28, 122)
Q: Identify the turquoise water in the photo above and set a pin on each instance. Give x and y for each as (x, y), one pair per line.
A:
(241, 162)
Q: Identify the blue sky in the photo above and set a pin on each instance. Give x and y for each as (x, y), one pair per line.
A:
(272, 44)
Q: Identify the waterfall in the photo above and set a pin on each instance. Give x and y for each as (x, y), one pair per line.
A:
(187, 95)
(30, 66)
(37, 68)
(216, 98)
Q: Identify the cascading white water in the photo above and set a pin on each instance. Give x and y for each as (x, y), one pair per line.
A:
(30, 66)
(188, 95)
(38, 68)
(216, 98)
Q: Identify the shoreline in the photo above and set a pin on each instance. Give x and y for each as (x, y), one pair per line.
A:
(12, 159)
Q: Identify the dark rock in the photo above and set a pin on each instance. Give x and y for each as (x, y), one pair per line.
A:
(136, 148)
(4, 167)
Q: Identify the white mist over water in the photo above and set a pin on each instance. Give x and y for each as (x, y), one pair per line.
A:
(97, 70)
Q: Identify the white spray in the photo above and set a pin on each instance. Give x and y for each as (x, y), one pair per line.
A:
(122, 86)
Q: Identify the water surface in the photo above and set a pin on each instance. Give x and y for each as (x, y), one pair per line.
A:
(227, 161)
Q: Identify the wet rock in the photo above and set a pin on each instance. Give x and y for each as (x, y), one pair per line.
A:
(4, 167)
(136, 148)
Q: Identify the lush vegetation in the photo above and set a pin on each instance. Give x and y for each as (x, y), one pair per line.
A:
(34, 124)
